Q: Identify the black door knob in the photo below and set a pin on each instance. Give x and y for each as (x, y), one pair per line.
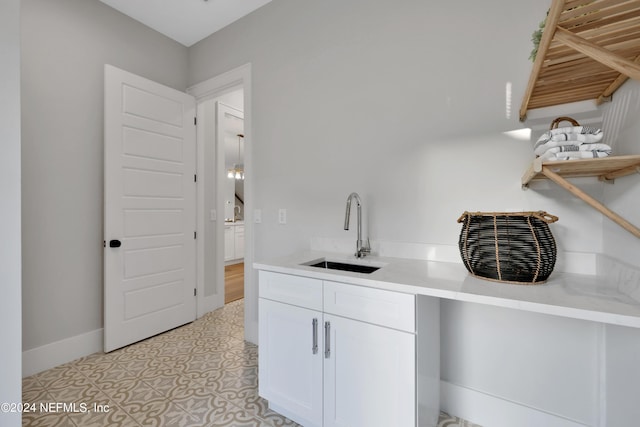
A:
(114, 243)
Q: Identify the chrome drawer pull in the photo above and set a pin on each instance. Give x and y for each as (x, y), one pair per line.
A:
(314, 326)
(327, 340)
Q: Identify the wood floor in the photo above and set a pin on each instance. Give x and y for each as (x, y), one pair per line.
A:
(233, 282)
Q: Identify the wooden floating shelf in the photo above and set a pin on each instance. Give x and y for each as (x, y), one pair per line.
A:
(588, 49)
(606, 168)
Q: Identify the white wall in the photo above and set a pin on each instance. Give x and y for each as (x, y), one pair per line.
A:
(623, 376)
(65, 44)
(404, 102)
(381, 98)
(10, 259)
(622, 124)
(531, 360)
(623, 344)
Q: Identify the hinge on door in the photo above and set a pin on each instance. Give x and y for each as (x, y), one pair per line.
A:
(195, 235)
(195, 120)
(195, 292)
(195, 178)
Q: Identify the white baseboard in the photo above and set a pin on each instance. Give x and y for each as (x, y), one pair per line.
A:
(207, 304)
(60, 352)
(57, 353)
(251, 331)
(492, 411)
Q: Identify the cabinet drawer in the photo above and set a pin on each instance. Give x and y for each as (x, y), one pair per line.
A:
(296, 290)
(386, 308)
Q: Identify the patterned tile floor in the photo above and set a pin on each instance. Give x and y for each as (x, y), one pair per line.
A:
(201, 374)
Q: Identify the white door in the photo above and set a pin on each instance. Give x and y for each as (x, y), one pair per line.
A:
(149, 208)
(369, 375)
(290, 359)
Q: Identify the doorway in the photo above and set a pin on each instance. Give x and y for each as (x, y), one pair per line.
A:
(221, 133)
(233, 282)
(210, 222)
(230, 147)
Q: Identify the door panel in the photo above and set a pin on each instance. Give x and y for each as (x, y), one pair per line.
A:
(152, 260)
(369, 375)
(152, 145)
(166, 109)
(141, 222)
(140, 302)
(152, 183)
(290, 375)
(149, 206)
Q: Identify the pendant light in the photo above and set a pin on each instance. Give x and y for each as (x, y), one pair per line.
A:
(237, 172)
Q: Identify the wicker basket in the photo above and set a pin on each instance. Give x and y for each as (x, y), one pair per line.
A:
(512, 247)
(556, 122)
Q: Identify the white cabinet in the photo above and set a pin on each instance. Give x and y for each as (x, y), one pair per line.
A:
(291, 360)
(290, 343)
(233, 241)
(238, 240)
(229, 242)
(369, 377)
(333, 354)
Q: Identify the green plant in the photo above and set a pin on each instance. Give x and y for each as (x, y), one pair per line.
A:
(535, 38)
(537, 34)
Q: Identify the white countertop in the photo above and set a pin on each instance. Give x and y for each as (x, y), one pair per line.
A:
(578, 296)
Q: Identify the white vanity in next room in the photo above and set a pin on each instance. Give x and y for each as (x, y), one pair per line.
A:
(233, 241)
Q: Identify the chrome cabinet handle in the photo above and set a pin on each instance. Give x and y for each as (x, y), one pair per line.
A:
(327, 340)
(314, 328)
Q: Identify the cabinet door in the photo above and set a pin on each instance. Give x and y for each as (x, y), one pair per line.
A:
(229, 242)
(290, 360)
(369, 375)
(239, 241)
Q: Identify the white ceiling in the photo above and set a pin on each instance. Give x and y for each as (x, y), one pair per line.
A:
(186, 21)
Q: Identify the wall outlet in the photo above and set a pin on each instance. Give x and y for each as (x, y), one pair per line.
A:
(282, 216)
(257, 216)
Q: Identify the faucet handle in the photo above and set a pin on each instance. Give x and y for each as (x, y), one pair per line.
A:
(364, 248)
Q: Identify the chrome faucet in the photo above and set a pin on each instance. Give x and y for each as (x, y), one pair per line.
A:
(361, 249)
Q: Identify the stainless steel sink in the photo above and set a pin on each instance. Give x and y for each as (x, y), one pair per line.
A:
(334, 265)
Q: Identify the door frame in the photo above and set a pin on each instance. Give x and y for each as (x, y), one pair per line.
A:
(205, 91)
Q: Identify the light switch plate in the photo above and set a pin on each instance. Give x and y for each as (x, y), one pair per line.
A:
(282, 216)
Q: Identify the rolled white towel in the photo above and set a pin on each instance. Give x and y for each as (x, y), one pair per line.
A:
(570, 155)
(556, 152)
(575, 135)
